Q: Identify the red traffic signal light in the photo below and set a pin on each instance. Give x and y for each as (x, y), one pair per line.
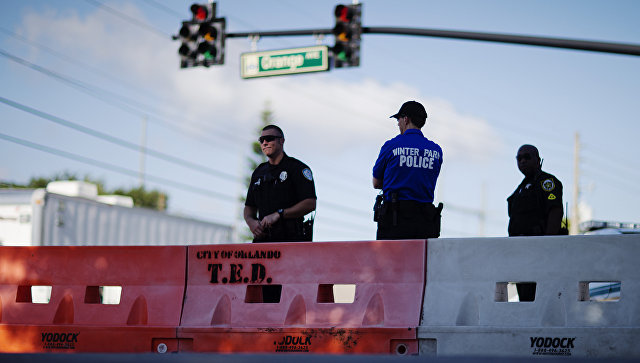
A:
(203, 12)
(347, 31)
(344, 13)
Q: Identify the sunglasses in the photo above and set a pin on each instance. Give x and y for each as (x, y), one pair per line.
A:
(268, 138)
(523, 156)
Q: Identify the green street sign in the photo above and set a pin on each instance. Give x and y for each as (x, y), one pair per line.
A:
(284, 61)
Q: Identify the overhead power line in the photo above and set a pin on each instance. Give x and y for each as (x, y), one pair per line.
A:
(134, 173)
(128, 18)
(116, 168)
(122, 102)
(114, 140)
(88, 88)
(71, 60)
(127, 104)
(85, 87)
(162, 7)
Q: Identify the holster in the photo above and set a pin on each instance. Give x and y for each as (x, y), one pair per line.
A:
(437, 219)
(307, 229)
(379, 208)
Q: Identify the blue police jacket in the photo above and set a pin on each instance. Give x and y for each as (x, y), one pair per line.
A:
(409, 164)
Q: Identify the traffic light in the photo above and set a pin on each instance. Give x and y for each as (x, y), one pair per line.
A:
(211, 43)
(202, 38)
(203, 12)
(347, 31)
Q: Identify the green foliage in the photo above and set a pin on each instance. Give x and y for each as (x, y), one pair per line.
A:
(145, 198)
(153, 199)
(256, 158)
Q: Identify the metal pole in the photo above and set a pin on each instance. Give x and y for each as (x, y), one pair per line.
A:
(603, 47)
(143, 150)
(575, 219)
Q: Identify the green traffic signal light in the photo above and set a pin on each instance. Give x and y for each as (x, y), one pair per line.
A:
(208, 50)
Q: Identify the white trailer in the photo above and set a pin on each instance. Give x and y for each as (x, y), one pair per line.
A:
(46, 217)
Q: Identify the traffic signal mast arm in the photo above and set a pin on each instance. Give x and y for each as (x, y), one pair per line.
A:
(603, 47)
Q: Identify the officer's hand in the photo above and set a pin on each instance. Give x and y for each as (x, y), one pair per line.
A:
(256, 227)
(269, 220)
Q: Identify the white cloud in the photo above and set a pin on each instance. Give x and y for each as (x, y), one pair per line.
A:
(336, 125)
(350, 114)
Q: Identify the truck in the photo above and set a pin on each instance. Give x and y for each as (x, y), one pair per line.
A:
(71, 213)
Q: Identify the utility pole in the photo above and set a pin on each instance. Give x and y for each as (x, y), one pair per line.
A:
(575, 218)
(143, 151)
(482, 216)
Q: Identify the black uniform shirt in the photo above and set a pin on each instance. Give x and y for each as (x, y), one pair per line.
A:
(530, 203)
(280, 186)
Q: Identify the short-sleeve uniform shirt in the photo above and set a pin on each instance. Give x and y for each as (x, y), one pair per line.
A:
(280, 186)
(530, 203)
(409, 165)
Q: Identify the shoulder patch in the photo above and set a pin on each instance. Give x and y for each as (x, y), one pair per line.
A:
(548, 185)
(306, 172)
(551, 197)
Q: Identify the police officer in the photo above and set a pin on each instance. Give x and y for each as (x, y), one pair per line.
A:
(407, 170)
(281, 193)
(535, 207)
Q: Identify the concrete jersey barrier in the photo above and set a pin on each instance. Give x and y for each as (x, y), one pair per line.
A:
(444, 297)
(89, 299)
(283, 297)
(466, 307)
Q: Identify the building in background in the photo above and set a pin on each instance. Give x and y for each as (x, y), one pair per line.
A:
(71, 213)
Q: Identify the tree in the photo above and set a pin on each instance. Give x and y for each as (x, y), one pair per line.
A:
(145, 198)
(257, 157)
(152, 199)
(254, 159)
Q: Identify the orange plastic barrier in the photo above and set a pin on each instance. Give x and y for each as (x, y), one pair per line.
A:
(76, 316)
(283, 297)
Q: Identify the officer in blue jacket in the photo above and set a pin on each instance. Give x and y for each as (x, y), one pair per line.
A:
(407, 170)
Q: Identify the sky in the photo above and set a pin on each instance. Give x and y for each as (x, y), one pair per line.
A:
(84, 83)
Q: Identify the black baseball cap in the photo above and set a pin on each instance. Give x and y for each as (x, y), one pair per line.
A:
(413, 109)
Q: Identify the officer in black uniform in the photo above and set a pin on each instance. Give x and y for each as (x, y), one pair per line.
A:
(535, 207)
(281, 193)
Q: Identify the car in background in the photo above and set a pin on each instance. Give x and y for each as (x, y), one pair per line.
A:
(607, 291)
(604, 227)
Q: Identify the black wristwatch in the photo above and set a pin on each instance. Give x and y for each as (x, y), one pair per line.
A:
(281, 212)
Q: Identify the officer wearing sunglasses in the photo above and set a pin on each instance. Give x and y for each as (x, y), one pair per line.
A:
(281, 193)
(535, 207)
